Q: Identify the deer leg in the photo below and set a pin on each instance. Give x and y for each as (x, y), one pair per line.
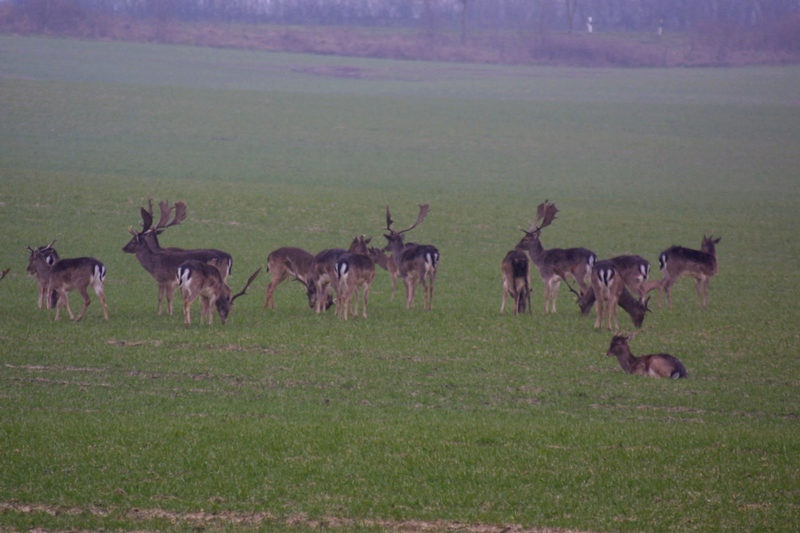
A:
(599, 305)
(554, 293)
(366, 293)
(187, 310)
(666, 285)
(86, 301)
(273, 284)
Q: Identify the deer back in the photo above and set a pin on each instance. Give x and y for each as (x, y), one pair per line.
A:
(76, 273)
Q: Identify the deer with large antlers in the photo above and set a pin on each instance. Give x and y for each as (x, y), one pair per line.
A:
(296, 263)
(662, 365)
(199, 279)
(415, 263)
(555, 264)
(677, 261)
(160, 262)
(40, 261)
(64, 275)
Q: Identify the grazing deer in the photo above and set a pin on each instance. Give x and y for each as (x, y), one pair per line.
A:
(199, 279)
(325, 269)
(661, 365)
(353, 271)
(65, 275)
(384, 261)
(297, 263)
(636, 310)
(634, 270)
(162, 262)
(677, 261)
(516, 272)
(415, 263)
(40, 261)
(555, 264)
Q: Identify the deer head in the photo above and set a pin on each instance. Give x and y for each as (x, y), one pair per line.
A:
(396, 236)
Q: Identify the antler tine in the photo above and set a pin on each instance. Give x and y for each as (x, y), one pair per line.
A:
(246, 285)
(147, 218)
(546, 212)
(50, 245)
(423, 210)
(388, 219)
(165, 212)
(180, 213)
(3, 274)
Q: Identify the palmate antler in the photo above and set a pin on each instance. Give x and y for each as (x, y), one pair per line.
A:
(180, 214)
(253, 276)
(423, 210)
(546, 212)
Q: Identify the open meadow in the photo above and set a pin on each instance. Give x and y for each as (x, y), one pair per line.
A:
(457, 417)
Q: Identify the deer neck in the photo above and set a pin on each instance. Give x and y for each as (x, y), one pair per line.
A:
(626, 360)
(536, 251)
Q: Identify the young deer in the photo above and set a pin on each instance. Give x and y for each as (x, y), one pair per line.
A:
(516, 272)
(325, 269)
(607, 286)
(199, 279)
(661, 365)
(162, 262)
(297, 263)
(415, 263)
(384, 261)
(555, 264)
(65, 275)
(677, 261)
(40, 261)
(353, 271)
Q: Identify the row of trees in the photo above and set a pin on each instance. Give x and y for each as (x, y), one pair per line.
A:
(569, 15)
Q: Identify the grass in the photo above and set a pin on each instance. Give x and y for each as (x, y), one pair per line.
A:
(409, 419)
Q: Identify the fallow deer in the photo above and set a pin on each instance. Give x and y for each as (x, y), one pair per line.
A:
(65, 275)
(162, 262)
(384, 261)
(607, 286)
(636, 310)
(516, 272)
(570, 262)
(661, 365)
(298, 264)
(325, 268)
(199, 279)
(677, 261)
(353, 271)
(415, 263)
(40, 261)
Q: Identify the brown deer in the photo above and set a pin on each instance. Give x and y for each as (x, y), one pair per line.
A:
(325, 269)
(384, 261)
(160, 262)
(677, 261)
(65, 275)
(516, 272)
(607, 286)
(40, 261)
(415, 263)
(200, 279)
(662, 365)
(636, 310)
(353, 271)
(298, 264)
(569, 262)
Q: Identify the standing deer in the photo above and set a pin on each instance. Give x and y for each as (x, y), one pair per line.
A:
(661, 365)
(162, 262)
(677, 261)
(636, 310)
(415, 263)
(516, 272)
(384, 261)
(555, 264)
(353, 271)
(325, 268)
(297, 263)
(40, 261)
(607, 286)
(199, 279)
(65, 275)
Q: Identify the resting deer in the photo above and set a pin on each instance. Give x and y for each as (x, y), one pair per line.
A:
(516, 272)
(199, 279)
(677, 261)
(415, 263)
(162, 262)
(555, 264)
(384, 261)
(353, 271)
(325, 269)
(296, 263)
(661, 365)
(40, 261)
(65, 275)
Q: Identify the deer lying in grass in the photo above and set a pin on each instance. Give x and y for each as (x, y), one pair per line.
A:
(516, 272)
(65, 275)
(415, 263)
(40, 261)
(353, 271)
(162, 262)
(199, 279)
(555, 264)
(677, 261)
(298, 264)
(384, 261)
(661, 365)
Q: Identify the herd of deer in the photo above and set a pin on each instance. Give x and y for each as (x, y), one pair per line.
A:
(203, 273)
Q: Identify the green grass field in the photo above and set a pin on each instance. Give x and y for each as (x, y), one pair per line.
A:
(408, 420)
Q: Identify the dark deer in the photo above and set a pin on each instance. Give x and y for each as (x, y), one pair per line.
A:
(325, 269)
(4, 273)
(200, 279)
(384, 261)
(661, 365)
(160, 262)
(415, 263)
(677, 261)
(555, 264)
(516, 272)
(636, 310)
(353, 270)
(295, 263)
(607, 286)
(40, 261)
